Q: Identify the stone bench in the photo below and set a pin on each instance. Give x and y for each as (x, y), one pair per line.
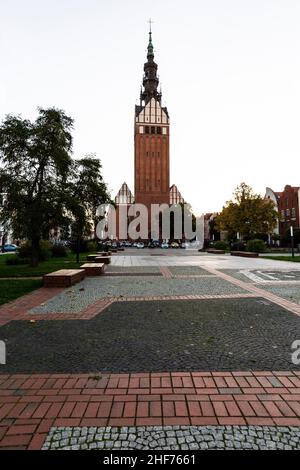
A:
(63, 278)
(215, 251)
(244, 254)
(91, 257)
(102, 259)
(93, 269)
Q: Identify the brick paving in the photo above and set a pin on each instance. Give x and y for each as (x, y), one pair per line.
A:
(36, 408)
(32, 404)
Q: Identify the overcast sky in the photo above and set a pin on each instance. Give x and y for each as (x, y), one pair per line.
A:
(230, 73)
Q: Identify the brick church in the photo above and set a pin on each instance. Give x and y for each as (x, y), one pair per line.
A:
(151, 146)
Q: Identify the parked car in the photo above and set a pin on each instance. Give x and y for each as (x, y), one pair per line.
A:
(9, 248)
(183, 245)
(164, 245)
(174, 245)
(134, 244)
(140, 245)
(151, 245)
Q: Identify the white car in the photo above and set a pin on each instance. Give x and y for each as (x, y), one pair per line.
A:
(140, 245)
(164, 245)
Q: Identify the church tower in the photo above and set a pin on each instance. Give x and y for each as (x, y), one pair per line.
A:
(151, 140)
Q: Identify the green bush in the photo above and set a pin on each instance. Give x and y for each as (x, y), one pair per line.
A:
(59, 251)
(238, 246)
(221, 245)
(15, 260)
(256, 246)
(44, 252)
(92, 246)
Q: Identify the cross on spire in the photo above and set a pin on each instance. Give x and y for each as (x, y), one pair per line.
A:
(150, 24)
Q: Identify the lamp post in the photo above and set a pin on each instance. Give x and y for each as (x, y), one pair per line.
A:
(292, 240)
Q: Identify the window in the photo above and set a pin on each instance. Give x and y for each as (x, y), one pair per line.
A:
(152, 130)
(293, 212)
(141, 130)
(158, 130)
(282, 214)
(147, 129)
(287, 212)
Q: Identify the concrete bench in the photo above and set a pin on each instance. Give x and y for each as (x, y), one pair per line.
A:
(93, 269)
(215, 251)
(102, 259)
(244, 254)
(63, 278)
(91, 257)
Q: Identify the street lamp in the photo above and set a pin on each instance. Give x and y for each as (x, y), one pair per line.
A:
(292, 240)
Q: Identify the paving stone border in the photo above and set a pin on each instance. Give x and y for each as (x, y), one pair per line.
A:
(173, 438)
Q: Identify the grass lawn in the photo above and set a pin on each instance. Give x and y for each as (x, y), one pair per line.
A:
(53, 264)
(296, 259)
(14, 288)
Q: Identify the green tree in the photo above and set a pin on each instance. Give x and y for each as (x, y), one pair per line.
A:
(86, 191)
(247, 213)
(35, 160)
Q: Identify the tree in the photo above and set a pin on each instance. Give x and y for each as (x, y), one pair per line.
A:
(86, 191)
(35, 160)
(247, 213)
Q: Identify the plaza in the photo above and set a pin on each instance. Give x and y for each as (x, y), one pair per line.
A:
(169, 349)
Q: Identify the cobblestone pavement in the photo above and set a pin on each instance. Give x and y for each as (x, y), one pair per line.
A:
(289, 292)
(173, 438)
(90, 290)
(196, 369)
(216, 334)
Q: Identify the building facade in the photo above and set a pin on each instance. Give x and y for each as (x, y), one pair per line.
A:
(151, 147)
(287, 203)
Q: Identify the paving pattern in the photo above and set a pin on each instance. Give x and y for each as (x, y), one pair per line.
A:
(174, 438)
(170, 348)
(216, 334)
(289, 292)
(90, 290)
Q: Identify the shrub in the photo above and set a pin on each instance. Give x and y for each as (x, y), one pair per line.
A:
(82, 246)
(59, 251)
(256, 245)
(15, 260)
(44, 252)
(238, 246)
(221, 245)
(92, 246)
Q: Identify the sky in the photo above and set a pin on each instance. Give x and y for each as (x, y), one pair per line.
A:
(230, 75)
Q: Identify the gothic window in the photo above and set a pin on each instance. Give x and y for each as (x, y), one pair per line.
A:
(147, 129)
(152, 130)
(141, 130)
(158, 130)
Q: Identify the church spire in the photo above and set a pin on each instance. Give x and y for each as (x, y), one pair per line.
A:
(150, 78)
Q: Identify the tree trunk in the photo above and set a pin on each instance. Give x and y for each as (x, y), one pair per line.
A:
(77, 249)
(35, 248)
